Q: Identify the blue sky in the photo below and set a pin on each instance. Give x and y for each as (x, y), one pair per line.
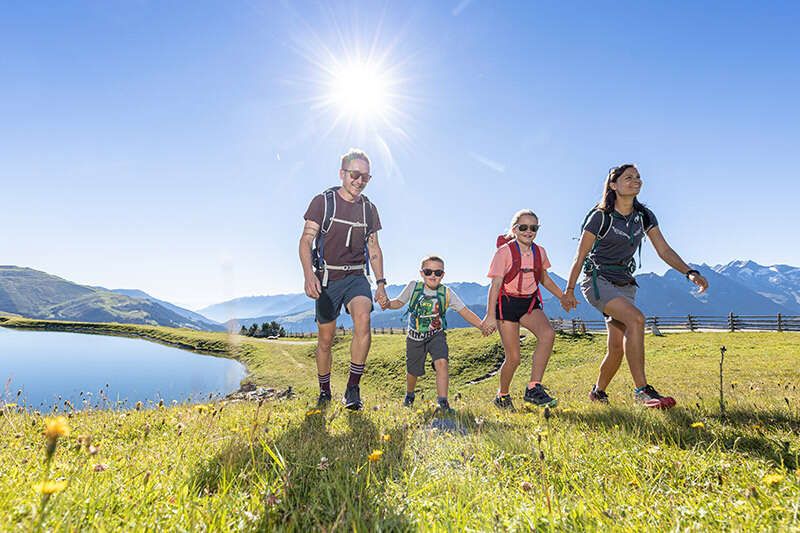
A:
(173, 147)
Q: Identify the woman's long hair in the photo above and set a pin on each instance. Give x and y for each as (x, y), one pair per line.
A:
(515, 219)
(609, 198)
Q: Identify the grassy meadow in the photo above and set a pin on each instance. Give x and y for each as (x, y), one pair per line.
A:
(285, 465)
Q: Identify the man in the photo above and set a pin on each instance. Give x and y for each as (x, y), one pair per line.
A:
(338, 245)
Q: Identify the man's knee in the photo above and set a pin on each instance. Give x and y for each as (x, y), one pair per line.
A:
(635, 319)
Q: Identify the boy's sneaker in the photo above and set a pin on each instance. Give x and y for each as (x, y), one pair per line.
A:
(444, 407)
(538, 396)
(352, 398)
(649, 397)
(324, 399)
(408, 401)
(504, 402)
(598, 395)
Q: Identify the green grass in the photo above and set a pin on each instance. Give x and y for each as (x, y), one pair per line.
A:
(280, 465)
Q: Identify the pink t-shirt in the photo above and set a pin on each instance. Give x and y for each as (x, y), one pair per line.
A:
(501, 264)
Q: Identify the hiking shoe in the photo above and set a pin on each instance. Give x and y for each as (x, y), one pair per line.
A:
(352, 398)
(444, 407)
(538, 396)
(504, 402)
(408, 401)
(324, 399)
(649, 397)
(598, 395)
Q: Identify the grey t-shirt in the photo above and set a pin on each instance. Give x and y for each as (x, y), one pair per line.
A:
(620, 243)
(434, 325)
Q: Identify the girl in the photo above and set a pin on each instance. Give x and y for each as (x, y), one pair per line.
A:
(612, 233)
(518, 268)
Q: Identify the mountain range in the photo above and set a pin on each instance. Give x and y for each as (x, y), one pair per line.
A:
(740, 287)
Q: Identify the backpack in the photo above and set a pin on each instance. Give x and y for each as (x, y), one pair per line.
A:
(328, 218)
(414, 304)
(516, 268)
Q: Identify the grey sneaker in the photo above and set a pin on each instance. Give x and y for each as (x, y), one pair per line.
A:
(539, 397)
(324, 399)
(598, 395)
(408, 401)
(352, 398)
(444, 407)
(504, 402)
(649, 397)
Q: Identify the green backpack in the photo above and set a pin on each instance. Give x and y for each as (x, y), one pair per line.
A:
(424, 312)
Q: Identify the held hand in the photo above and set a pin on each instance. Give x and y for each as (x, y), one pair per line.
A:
(699, 280)
(313, 287)
(488, 325)
(381, 298)
(568, 301)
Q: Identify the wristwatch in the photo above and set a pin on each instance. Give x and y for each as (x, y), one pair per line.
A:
(690, 272)
(379, 281)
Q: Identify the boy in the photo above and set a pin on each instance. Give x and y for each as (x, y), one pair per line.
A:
(428, 301)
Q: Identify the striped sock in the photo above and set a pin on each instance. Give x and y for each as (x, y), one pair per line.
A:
(324, 382)
(532, 384)
(356, 371)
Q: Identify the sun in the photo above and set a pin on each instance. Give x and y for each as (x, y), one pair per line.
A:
(360, 89)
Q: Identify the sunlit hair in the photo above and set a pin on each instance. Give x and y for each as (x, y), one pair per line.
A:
(515, 220)
(431, 258)
(353, 154)
(609, 198)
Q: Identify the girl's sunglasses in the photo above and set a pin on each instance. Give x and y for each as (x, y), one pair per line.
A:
(526, 227)
(438, 272)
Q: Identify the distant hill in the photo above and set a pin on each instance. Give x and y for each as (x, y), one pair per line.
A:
(35, 294)
(191, 315)
(741, 287)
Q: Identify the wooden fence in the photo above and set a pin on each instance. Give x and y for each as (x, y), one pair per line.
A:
(730, 322)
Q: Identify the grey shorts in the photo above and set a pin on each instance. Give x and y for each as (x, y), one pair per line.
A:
(608, 291)
(436, 345)
(339, 293)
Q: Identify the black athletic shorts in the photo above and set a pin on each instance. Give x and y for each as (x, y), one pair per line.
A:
(515, 307)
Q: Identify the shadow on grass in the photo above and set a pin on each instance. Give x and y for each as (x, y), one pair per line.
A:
(311, 477)
(735, 434)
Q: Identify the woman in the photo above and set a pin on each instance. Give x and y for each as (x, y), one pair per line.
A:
(612, 233)
(518, 268)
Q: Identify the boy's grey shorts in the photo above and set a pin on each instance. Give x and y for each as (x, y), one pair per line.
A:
(436, 345)
(339, 293)
(608, 291)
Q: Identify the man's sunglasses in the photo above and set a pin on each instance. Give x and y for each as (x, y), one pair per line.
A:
(355, 174)
(526, 227)
(438, 272)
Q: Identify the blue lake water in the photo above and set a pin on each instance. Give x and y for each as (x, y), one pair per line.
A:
(49, 365)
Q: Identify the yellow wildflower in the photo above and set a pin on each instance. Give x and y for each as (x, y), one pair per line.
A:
(698, 425)
(10, 405)
(386, 437)
(49, 487)
(56, 427)
(313, 412)
(375, 456)
(773, 479)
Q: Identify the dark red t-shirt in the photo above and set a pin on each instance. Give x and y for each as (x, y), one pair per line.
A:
(336, 253)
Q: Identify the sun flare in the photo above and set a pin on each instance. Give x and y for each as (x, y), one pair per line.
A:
(360, 90)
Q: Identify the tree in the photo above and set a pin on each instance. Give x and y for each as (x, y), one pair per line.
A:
(253, 330)
(243, 331)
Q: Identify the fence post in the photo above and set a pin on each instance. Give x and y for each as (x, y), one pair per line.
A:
(780, 323)
(574, 327)
(691, 324)
(731, 322)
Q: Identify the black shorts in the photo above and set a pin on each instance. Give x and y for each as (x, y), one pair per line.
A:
(515, 307)
(339, 293)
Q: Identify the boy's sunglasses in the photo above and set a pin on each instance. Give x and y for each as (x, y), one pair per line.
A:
(355, 174)
(526, 227)
(438, 272)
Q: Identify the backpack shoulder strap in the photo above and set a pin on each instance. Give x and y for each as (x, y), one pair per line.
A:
(330, 208)
(605, 222)
(416, 296)
(537, 263)
(444, 302)
(516, 261)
